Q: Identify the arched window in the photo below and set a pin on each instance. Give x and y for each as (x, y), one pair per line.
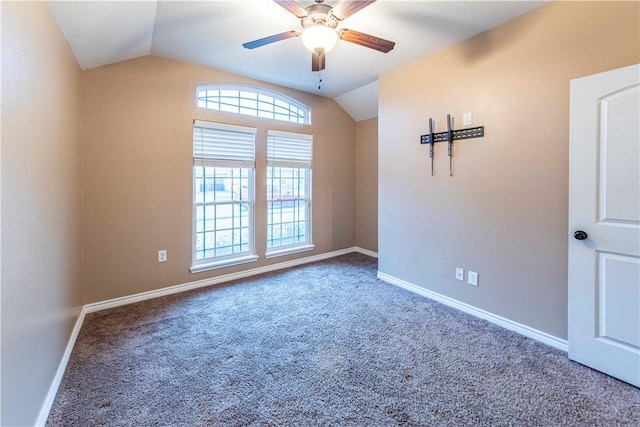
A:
(252, 101)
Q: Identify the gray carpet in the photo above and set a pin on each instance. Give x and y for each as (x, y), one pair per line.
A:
(323, 344)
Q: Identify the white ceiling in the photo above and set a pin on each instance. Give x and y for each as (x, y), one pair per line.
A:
(211, 33)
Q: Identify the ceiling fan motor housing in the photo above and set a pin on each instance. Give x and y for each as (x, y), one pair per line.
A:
(319, 14)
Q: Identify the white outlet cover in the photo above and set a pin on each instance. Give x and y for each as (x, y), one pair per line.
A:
(459, 274)
(467, 119)
(473, 278)
(162, 255)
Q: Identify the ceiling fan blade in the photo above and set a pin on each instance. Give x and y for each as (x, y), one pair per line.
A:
(347, 8)
(292, 7)
(271, 39)
(317, 61)
(367, 40)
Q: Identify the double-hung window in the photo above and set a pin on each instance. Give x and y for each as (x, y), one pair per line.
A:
(289, 157)
(223, 195)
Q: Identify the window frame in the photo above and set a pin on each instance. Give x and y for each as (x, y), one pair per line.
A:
(307, 245)
(276, 97)
(210, 263)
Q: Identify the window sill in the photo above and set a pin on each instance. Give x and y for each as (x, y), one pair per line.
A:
(288, 251)
(206, 266)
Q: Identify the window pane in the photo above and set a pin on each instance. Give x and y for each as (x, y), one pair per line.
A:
(281, 110)
(228, 108)
(287, 206)
(265, 98)
(229, 93)
(199, 243)
(209, 240)
(265, 106)
(222, 211)
(248, 95)
(252, 101)
(249, 103)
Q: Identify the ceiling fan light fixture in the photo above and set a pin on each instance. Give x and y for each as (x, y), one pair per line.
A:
(319, 38)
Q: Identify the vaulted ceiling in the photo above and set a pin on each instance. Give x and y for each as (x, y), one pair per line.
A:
(211, 33)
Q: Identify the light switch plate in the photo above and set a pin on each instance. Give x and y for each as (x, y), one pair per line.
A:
(460, 274)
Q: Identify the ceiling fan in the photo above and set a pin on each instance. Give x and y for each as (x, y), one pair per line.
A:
(319, 29)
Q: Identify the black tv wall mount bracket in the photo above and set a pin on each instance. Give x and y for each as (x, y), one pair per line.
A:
(449, 136)
(476, 132)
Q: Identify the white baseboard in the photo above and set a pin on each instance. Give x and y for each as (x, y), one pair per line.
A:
(367, 252)
(527, 331)
(117, 302)
(130, 299)
(62, 367)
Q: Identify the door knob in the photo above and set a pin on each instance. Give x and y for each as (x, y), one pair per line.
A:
(580, 235)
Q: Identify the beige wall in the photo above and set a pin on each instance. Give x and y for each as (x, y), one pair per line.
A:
(367, 184)
(137, 157)
(504, 212)
(41, 254)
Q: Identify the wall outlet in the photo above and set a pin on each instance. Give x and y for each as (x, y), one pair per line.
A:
(459, 274)
(467, 119)
(473, 278)
(162, 255)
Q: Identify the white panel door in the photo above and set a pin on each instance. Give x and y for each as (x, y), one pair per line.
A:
(604, 223)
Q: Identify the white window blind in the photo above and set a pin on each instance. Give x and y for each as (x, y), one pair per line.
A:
(289, 150)
(223, 145)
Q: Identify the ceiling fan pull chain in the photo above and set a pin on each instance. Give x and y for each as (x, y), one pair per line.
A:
(319, 81)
